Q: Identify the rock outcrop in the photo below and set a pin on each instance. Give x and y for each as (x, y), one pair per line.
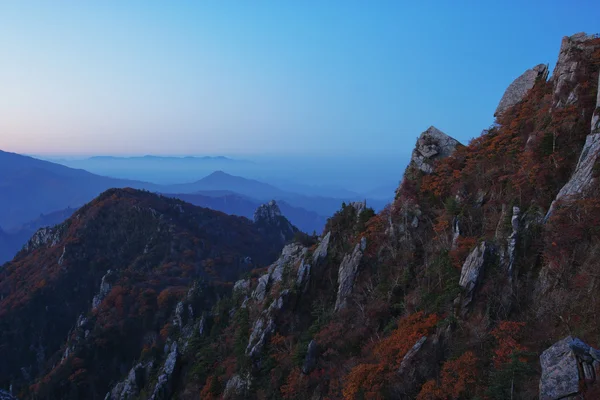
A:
(517, 90)
(347, 274)
(236, 387)
(573, 50)
(567, 366)
(291, 254)
(321, 250)
(265, 326)
(130, 387)
(583, 177)
(268, 218)
(268, 212)
(472, 271)
(6, 396)
(44, 237)
(162, 390)
(410, 355)
(433, 144)
(105, 287)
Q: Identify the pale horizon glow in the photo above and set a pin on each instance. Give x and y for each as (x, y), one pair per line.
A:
(243, 79)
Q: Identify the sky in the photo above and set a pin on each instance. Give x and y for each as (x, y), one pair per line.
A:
(337, 78)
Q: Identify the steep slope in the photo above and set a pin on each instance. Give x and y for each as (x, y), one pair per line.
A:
(459, 289)
(115, 283)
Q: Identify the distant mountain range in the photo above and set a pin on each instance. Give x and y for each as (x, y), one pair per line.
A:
(157, 169)
(30, 188)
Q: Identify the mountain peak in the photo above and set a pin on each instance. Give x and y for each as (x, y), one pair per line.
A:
(268, 212)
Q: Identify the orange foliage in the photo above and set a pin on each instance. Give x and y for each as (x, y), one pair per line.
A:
(208, 391)
(507, 333)
(365, 379)
(295, 386)
(392, 349)
(457, 377)
(459, 254)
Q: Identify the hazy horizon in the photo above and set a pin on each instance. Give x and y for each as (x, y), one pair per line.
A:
(266, 78)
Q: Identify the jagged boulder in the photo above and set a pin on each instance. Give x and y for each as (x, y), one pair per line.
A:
(567, 366)
(517, 90)
(472, 270)
(573, 50)
(433, 144)
(347, 274)
(291, 254)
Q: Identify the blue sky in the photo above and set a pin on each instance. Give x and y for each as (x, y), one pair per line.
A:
(341, 78)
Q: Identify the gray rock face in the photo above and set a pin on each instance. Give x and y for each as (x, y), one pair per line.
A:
(44, 237)
(433, 144)
(236, 387)
(572, 50)
(472, 269)
(162, 390)
(6, 396)
(290, 254)
(321, 251)
(130, 387)
(105, 288)
(242, 286)
(410, 355)
(560, 373)
(310, 361)
(565, 365)
(303, 278)
(260, 292)
(582, 179)
(512, 239)
(517, 90)
(267, 212)
(359, 206)
(265, 326)
(347, 274)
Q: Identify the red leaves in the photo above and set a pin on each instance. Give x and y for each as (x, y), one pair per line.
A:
(506, 334)
(457, 377)
(365, 379)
